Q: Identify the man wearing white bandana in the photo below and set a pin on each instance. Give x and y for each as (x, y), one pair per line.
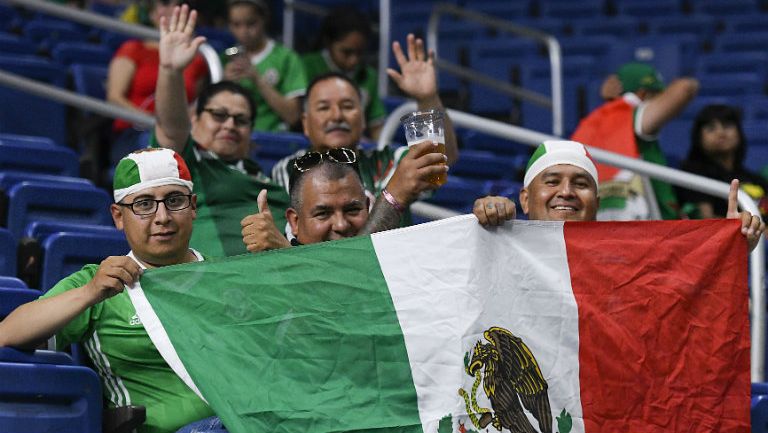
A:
(560, 184)
(155, 207)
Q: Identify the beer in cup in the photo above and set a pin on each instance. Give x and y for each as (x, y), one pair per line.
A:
(423, 126)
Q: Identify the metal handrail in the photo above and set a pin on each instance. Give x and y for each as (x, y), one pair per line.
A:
(96, 20)
(666, 174)
(553, 48)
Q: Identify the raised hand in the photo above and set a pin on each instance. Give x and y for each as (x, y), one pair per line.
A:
(114, 273)
(417, 71)
(752, 226)
(259, 230)
(494, 210)
(178, 45)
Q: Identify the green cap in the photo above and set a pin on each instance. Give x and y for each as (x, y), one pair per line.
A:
(636, 76)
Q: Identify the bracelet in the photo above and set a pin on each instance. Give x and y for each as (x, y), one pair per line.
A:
(392, 201)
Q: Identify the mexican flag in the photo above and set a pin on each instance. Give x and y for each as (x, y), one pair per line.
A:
(450, 327)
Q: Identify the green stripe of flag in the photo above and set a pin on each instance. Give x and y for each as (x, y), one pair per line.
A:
(298, 358)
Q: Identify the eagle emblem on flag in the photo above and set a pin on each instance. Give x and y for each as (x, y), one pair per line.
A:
(512, 381)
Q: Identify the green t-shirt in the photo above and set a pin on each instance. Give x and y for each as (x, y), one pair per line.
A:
(226, 193)
(318, 63)
(282, 68)
(132, 371)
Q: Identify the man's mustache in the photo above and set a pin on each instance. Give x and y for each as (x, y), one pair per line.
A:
(341, 125)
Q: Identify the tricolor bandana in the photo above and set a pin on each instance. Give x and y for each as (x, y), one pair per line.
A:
(148, 168)
(553, 152)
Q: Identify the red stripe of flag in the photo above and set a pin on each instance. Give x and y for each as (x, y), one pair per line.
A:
(663, 325)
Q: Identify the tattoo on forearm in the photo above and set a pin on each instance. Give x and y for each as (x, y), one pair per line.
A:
(382, 217)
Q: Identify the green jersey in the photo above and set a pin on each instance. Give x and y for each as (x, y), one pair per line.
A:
(131, 369)
(226, 193)
(319, 63)
(282, 69)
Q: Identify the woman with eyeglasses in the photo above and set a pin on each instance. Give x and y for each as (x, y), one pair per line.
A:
(344, 36)
(132, 77)
(214, 143)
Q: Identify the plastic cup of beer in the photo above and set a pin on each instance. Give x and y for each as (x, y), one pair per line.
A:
(421, 126)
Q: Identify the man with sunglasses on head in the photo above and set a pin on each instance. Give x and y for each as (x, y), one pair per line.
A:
(334, 117)
(328, 199)
(215, 143)
(155, 207)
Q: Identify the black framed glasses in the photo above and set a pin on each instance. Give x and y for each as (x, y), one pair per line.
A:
(148, 206)
(221, 116)
(341, 155)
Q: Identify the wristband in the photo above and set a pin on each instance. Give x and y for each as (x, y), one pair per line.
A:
(392, 201)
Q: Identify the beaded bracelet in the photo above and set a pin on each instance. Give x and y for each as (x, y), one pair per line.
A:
(392, 201)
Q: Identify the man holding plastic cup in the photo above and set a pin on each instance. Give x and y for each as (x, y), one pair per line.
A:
(334, 117)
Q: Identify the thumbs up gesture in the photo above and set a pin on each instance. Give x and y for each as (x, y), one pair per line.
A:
(259, 230)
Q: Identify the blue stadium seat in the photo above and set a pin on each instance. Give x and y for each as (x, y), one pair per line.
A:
(35, 200)
(28, 118)
(504, 187)
(12, 44)
(701, 26)
(756, 108)
(23, 140)
(571, 9)
(41, 230)
(739, 62)
(12, 297)
(113, 40)
(12, 282)
(502, 9)
(743, 24)
(68, 53)
(458, 194)
(756, 133)
(37, 396)
(721, 8)
(577, 70)
(671, 55)
(649, 8)
(277, 145)
(456, 42)
(621, 26)
(759, 412)
(476, 140)
(7, 253)
(730, 43)
(675, 141)
(11, 178)
(500, 58)
(730, 85)
(68, 252)
(38, 158)
(597, 47)
(49, 32)
(483, 165)
(693, 108)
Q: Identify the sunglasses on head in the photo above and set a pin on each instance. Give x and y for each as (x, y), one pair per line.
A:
(341, 155)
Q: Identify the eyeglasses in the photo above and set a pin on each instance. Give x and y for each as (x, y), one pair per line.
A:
(341, 155)
(221, 116)
(148, 206)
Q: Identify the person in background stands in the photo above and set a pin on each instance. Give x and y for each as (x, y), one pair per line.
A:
(272, 72)
(344, 37)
